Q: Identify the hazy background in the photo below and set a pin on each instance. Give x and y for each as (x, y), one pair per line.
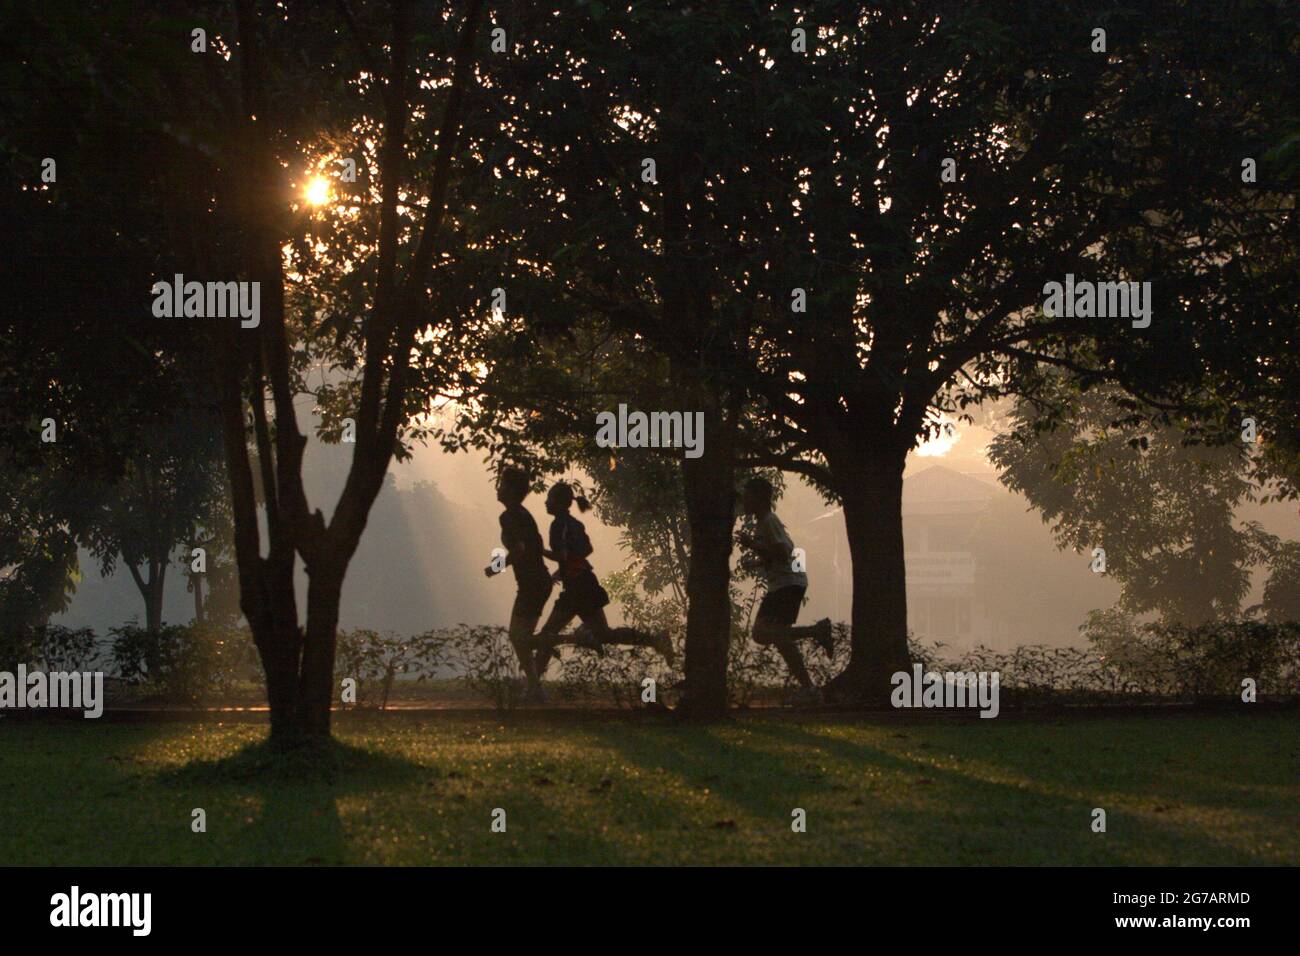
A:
(432, 530)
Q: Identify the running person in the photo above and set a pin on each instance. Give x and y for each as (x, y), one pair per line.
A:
(523, 544)
(582, 597)
(774, 623)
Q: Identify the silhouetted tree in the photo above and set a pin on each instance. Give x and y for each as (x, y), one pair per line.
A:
(257, 376)
(912, 176)
(214, 138)
(1161, 510)
(172, 488)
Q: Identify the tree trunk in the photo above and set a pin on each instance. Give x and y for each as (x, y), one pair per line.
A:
(151, 590)
(153, 606)
(871, 491)
(316, 680)
(271, 608)
(154, 610)
(710, 487)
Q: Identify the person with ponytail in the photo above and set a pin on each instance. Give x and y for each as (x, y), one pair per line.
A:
(524, 551)
(582, 596)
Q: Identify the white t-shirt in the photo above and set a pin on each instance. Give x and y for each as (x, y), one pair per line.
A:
(777, 571)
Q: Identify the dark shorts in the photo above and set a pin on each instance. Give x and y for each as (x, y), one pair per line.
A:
(781, 607)
(530, 601)
(582, 594)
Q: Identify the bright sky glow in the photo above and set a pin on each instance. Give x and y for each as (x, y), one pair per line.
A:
(317, 192)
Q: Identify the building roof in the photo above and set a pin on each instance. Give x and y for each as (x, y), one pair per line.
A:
(941, 490)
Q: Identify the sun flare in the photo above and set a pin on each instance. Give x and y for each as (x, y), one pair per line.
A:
(317, 192)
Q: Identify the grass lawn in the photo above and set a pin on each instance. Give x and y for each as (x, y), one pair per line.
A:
(599, 788)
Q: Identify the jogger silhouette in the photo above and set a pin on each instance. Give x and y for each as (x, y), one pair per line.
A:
(774, 622)
(582, 595)
(524, 551)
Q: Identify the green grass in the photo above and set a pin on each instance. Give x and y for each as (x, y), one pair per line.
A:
(405, 789)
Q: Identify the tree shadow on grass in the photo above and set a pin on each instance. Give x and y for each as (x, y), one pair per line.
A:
(275, 804)
(1023, 824)
(867, 804)
(719, 801)
(757, 778)
(327, 762)
(754, 784)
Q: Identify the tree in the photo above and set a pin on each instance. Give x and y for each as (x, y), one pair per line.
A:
(926, 290)
(257, 370)
(536, 405)
(1282, 591)
(38, 555)
(911, 177)
(216, 134)
(1160, 508)
(622, 185)
(86, 374)
(172, 489)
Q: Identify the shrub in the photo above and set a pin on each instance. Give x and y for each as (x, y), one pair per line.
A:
(1030, 671)
(1207, 660)
(484, 657)
(1125, 661)
(375, 660)
(616, 676)
(184, 663)
(49, 647)
(67, 649)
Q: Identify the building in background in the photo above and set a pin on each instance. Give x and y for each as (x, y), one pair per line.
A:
(983, 568)
(942, 511)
